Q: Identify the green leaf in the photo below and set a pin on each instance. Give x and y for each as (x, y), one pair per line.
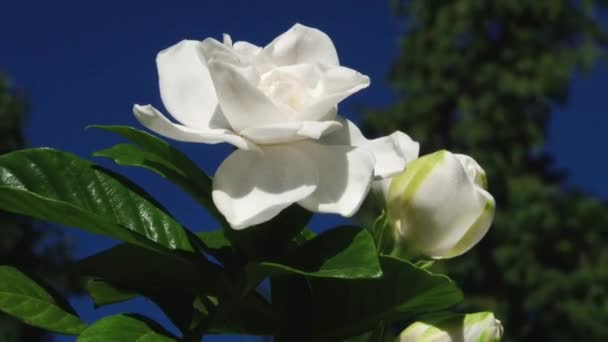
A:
(264, 240)
(169, 281)
(348, 308)
(124, 328)
(159, 156)
(22, 298)
(104, 293)
(217, 245)
(138, 270)
(343, 252)
(57, 186)
(270, 239)
(215, 240)
(175, 283)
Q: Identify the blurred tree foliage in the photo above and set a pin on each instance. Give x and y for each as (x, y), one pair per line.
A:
(33, 247)
(480, 77)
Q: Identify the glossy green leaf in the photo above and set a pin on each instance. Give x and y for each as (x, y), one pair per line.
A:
(343, 252)
(104, 293)
(124, 328)
(348, 308)
(57, 186)
(29, 302)
(159, 156)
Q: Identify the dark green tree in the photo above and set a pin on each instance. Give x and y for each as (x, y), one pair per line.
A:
(31, 246)
(480, 77)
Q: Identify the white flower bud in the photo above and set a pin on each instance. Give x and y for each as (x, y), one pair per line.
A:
(439, 206)
(477, 327)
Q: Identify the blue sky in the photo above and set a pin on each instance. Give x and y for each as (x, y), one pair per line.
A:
(88, 62)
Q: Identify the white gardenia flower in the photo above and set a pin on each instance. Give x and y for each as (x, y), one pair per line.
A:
(278, 105)
(439, 206)
(477, 327)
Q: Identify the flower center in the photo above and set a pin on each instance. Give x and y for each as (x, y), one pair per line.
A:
(284, 89)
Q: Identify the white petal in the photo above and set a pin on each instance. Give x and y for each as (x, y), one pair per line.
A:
(382, 187)
(345, 175)
(306, 74)
(350, 135)
(392, 152)
(227, 40)
(186, 87)
(213, 49)
(335, 85)
(302, 44)
(251, 188)
(474, 170)
(246, 49)
(157, 122)
(253, 55)
(242, 103)
(479, 228)
(289, 132)
(342, 80)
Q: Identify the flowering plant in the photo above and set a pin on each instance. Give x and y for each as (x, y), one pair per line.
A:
(295, 155)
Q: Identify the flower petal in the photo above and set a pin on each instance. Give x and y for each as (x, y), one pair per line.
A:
(381, 187)
(157, 122)
(305, 74)
(246, 49)
(290, 131)
(213, 50)
(242, 103)
(302, 44)
(335, 85)
(345, 175)
(392, 152)
(475, 172)
(251, 188)
(186, 87)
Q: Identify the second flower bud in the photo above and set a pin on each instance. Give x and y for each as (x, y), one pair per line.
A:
(439, 206)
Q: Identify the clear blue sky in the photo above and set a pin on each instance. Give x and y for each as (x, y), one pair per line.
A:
(87, 62)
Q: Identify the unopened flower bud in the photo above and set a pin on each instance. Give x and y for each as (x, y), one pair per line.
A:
(439, 205)
(476, 327)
